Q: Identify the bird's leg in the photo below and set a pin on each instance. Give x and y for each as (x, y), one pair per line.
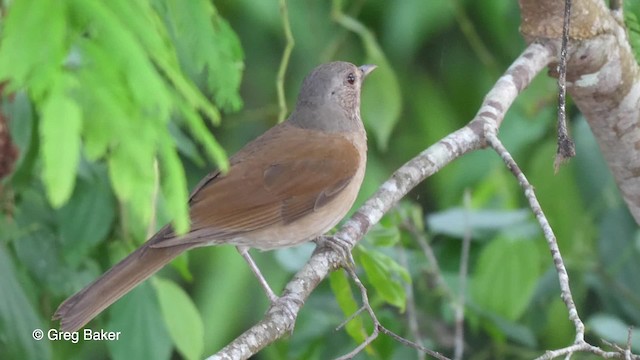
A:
(244, 251)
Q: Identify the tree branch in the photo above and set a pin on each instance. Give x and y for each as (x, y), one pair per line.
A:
(280, 318)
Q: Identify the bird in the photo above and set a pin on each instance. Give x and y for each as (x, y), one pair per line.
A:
(290, 185)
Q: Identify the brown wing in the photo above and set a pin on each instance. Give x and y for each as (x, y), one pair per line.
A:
(305, 170)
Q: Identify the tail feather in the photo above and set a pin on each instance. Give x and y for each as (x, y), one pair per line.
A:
(79, 309)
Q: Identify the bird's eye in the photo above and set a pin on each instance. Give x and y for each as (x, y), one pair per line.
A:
(351, 78)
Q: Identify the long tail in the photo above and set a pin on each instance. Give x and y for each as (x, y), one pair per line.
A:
(82, 307)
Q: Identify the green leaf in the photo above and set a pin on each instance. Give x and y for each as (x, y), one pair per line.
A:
(36, 244)
(24, 134)
(512, 330)
(181, 264)
(185, 144)
(559, 197)
(132, 176)
(225, 69)
(412, 212)
(174, 186)
(226, 273)
(613, 329)
(344, 296)
(386, 276)
(18, 316)
(481, 222)
(86, 219)
(143, 333)
(385, 236)
(631, 12)
(506, 276)
(380, 116)
(207, 46)
(558, 330)
(128, 54)
(108, 104)
(409, 23)
(26, 56)
(60, 128)
(618, 253)
(199, 131)
(182, 318)
(381, 95)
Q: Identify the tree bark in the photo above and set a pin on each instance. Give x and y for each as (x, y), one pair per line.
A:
(603, 79)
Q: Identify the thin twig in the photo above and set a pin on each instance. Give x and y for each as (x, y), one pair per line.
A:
(433, 267)
(462, 288)
(563, 277)
(587, 348)
(566, 147)
(284, 62)
(341, 38)
(378, 327)
(412, 312)
(627, 351)
(406, 342)
(351, 317)
(366, 306)
(579, 345)
(475, 41)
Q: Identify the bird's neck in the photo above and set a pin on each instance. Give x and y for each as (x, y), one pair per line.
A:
(329, 119)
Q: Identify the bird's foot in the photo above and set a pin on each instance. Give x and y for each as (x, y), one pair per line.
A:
(340, 246)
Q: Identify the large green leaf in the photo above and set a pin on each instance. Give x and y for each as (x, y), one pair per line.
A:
(18, 316)
(24, 136)
(344, 296)
(181, 317)
(207, 47)
(456, 221)
(381, 95)
(36, 244)
(132, 176)
(631, 14)
(60, 128)
(25, 54)
(87, 218)
(409, 23)
(618, 254)
(613, 329)
(559, 197)
(386, 276)
(506, 275)
(143, 332)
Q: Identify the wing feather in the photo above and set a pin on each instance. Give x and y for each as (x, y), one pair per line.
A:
(306, 170)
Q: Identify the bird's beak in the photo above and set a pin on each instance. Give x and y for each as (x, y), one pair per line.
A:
(366, 69)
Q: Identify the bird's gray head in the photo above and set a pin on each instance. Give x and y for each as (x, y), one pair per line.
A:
(330, 97)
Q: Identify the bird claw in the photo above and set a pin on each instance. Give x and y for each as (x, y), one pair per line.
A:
(338, 245)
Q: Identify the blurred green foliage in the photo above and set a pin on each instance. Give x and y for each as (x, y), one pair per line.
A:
(108, 104)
